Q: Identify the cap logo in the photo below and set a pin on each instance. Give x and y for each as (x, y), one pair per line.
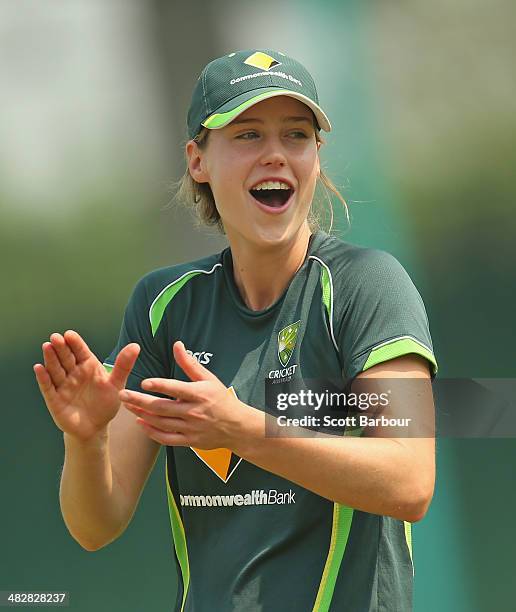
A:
(262, 61)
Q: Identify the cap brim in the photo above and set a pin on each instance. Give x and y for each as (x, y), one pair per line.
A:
(235, 107)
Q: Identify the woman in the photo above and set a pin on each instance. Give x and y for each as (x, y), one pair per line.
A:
(259, 522)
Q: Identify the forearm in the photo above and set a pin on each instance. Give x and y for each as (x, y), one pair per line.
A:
(90, 496)
(376, 475)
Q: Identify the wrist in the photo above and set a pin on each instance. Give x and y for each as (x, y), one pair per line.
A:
(98, 441)
(251, 431)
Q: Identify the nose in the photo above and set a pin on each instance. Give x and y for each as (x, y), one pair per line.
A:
(273, 155)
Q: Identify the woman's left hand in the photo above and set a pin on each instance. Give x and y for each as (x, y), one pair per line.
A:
(205, 414)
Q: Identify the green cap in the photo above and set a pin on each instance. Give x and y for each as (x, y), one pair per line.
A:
(231, 84)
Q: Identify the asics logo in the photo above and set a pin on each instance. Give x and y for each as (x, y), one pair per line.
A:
(203, 357)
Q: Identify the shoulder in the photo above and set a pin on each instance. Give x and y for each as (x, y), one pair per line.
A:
(378, 312)
(154, 292)
(356, 266)
(170, 278)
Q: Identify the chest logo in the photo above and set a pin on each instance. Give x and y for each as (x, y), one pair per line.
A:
(221, 461)
(287, 339)
(203, 357)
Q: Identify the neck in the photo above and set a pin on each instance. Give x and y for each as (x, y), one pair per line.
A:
(262, 275)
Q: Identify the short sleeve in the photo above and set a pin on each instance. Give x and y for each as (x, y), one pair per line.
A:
(383, 315)
(153, 360)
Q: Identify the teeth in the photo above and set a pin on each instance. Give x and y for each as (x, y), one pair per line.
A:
(271, 185)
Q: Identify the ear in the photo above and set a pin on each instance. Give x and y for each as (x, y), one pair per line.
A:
(318, 160)
(194, 155)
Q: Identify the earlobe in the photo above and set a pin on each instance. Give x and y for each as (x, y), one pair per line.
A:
(195, 162)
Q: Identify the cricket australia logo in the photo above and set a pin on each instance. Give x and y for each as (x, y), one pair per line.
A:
(287, 338)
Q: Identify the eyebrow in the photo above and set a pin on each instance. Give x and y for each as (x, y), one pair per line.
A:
(284, 119)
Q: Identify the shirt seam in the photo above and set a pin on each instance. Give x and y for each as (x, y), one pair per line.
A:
(386, 340)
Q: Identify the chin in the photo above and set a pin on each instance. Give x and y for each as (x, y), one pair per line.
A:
(272, 236)
(266, 234)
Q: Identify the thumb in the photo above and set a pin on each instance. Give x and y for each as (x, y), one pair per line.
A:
(124, 364)
(189, 364)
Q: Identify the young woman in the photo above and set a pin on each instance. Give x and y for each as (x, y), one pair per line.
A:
(259, 522)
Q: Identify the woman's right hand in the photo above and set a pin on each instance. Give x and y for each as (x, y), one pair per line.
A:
(80, 394)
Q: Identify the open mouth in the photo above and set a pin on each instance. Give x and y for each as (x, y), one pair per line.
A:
(273, 198)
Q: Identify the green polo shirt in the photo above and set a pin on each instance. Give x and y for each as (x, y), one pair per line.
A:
(244, 538)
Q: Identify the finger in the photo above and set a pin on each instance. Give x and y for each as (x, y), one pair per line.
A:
(151, 404)
(172, 387)
(77, 345)
(167, 439)
(63, 352)
(45, 384)
(190, 366)
(53, 365)
(163, 423)
(124, 364)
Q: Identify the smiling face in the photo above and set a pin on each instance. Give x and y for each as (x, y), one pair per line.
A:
(270, 145)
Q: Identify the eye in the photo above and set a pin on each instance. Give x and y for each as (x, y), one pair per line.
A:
(248, 135)
(253, 135)
(298, 134)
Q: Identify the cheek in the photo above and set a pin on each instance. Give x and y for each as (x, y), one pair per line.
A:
(227, 172)
(228, 175)
(309, 167)
(308, 191)
(308, 159)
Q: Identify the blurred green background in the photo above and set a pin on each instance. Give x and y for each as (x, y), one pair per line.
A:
(92, 125)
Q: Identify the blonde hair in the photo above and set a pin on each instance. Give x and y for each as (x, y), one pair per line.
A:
(199, 197)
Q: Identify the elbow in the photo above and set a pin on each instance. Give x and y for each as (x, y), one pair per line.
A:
(90, 547)
(94, 538)
(416, 513)
(416, 507)
(93, 546)
(412, 500)
(419, 491)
